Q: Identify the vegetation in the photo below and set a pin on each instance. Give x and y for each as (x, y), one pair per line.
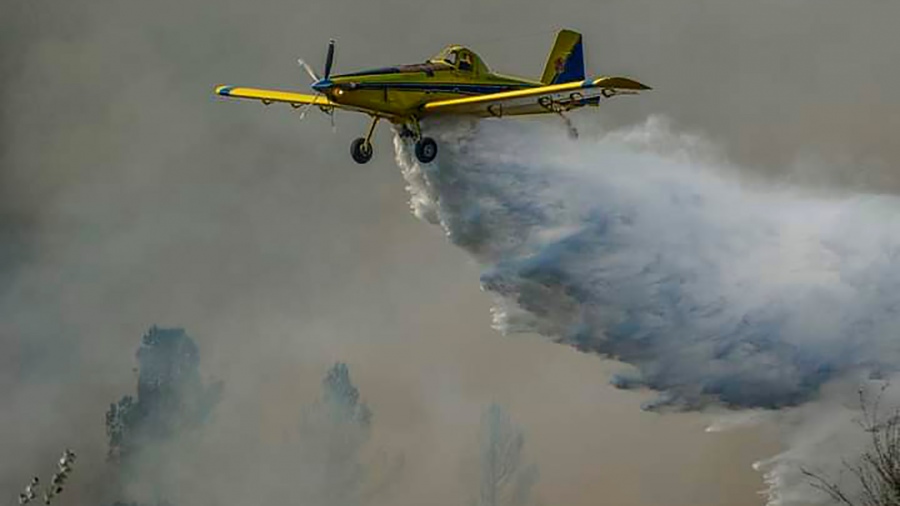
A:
(876, 473)
(171, 402)
(504, 478)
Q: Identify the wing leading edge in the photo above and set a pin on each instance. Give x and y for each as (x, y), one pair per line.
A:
(269, 96)
(541, 99)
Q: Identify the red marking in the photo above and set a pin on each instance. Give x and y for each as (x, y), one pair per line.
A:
(560, 64)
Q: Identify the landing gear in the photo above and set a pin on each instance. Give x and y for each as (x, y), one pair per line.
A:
(361, 149)
(426, 149)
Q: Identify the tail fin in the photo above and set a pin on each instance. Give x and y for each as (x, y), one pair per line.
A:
(566, 61)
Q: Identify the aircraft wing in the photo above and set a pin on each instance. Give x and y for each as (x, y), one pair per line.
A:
(541, 99)
(288, 97)
(269, 96)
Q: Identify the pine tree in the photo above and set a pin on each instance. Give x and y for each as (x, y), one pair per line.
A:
(334, 431)
(171, 402)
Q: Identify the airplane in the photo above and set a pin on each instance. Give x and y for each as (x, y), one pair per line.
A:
(456, 81)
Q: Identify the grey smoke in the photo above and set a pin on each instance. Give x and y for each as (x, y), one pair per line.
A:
(130, 196)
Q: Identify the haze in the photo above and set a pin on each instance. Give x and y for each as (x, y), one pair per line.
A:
(130, 195)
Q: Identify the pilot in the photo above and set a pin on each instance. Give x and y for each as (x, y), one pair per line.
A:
(465, 61)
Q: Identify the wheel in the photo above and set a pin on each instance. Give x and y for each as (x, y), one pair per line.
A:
(361, 151)
(426, 149)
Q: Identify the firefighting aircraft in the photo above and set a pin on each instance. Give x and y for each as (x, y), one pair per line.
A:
(454, 82)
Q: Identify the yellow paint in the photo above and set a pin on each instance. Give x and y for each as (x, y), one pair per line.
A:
(272, 95)
(565, 42)
(455, 81)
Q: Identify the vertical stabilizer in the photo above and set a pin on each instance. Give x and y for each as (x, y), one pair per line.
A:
(566, 61)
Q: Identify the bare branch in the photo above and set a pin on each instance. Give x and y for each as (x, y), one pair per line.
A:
(876, 471)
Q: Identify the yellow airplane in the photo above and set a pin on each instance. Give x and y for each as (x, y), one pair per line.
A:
(454, 82)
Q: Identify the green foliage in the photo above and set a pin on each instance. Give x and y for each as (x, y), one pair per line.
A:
(171, 397)
(171, 402)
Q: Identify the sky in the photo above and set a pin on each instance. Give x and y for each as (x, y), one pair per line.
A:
(131, 196)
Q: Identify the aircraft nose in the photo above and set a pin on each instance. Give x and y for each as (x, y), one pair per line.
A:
(322, 85)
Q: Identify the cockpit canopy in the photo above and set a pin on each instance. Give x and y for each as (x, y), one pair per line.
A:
(462, 59)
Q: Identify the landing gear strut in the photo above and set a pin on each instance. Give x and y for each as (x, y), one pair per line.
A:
(361, 149)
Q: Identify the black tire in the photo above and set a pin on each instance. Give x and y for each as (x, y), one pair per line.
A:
(426, 149)
(361, 151)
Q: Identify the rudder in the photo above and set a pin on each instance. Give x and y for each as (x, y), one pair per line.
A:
(566, 61)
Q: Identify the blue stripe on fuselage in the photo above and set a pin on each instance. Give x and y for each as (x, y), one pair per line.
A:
(445, 87)
(372, 72)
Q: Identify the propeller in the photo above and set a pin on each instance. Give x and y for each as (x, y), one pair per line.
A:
(320, 83)
(329, 63)
(308, 69)
(303, 111)
(329, 59)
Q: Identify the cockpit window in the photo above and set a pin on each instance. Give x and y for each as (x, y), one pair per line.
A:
(451, 57)
(459, 58)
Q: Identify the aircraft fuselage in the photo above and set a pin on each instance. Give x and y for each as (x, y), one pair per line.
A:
(399, 91)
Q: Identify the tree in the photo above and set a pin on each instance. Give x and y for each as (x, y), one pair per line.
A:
(171, 401)
(876, 473)
(341, 400)
(334, 431)
(504, 480)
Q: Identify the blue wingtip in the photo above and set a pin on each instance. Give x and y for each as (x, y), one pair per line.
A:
(224, 90)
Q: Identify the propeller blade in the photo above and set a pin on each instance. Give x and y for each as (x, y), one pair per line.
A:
(308, 69)
(304, 110)
(329, 58)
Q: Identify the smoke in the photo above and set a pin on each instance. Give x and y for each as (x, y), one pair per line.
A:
(130, 195)
(643, 246)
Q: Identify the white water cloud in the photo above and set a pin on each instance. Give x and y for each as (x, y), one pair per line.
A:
(643, 246)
